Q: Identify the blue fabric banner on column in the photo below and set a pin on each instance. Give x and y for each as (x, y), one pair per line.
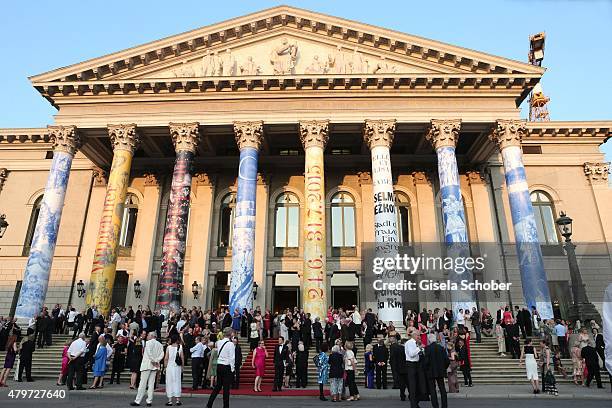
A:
(455, 230)
(38, 268)
(243, 241)
(531, 264)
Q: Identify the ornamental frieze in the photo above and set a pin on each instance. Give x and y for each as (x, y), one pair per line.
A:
(597, 172)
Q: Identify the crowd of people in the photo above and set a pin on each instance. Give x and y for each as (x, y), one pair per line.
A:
(435, 345)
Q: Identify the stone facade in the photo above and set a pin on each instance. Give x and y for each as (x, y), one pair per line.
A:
(413, 87)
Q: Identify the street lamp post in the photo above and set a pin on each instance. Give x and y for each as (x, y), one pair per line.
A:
(581, 309)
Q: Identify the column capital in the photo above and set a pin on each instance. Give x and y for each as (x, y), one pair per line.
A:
(314, 133)
(185, 136)
(3, 176)
(597, 173)
(475, 177)
(99, 176)
(64, 139)
(151, 179)
(443, 133)
(204, 179)
(379, 132)
(421, 177)
(248, 134)
(365, 177)
(507, 132)
(124, 137)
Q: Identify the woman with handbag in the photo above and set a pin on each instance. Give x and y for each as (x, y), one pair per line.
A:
(529, 354)
(173, 362)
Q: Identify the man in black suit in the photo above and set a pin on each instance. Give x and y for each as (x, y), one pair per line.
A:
(380, 353)
(306, 331)
(519, 321)
(237, 364)
(317, 330)
(281, 354)
(591, 360)
(399, 369)
(435, 363)
(25, 358)
(512, 332)
(526, 317)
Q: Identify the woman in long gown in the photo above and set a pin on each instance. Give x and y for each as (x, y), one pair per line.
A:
(453, 381)
(9, 360)
(529, 354)
(99, 366)
(578, 366)
(134, 357)
(174, 352)
(211, 374)
(259, 364)
(369, 367)
(65, 360)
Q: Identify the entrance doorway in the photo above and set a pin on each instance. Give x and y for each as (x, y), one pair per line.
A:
(284, 297)
(561, 297)
(221, 290)
(345, 297)
(120, 289)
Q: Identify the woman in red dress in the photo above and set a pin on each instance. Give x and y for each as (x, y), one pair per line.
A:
(65, 361)
(259, 364)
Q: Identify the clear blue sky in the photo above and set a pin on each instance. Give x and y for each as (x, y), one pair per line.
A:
(43, 35)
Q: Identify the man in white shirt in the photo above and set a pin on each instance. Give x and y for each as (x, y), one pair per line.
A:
(460, 319)
(412, 349)
(76, 356)
(197, 361)
(225, 368)
(152, 355)
(115, 320)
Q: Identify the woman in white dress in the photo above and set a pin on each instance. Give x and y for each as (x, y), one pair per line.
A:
(174, 355)
(530, 355)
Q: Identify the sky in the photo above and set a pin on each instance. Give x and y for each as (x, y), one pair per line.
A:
(43, 35)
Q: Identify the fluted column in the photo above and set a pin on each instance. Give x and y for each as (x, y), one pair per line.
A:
(443, 135)
(248, 137)
(378, 135)
(314, 135)
(185, 137)
(507, 134)
(125, 141)
(65, 141)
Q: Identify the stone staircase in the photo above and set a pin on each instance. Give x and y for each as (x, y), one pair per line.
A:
(487, 366)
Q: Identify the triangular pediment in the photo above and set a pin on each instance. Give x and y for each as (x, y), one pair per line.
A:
(286, 41)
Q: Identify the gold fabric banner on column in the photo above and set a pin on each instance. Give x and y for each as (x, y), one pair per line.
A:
(314, 276)
(102, 278)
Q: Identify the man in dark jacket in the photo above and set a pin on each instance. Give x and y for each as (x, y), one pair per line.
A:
(306, 331)
(380, 354)
(527, 322)
(238, 364)
(25, 358)
(281, 355)
(435, 363)
(317, 330)
(512, 332)
(591, 360)
(399, 368)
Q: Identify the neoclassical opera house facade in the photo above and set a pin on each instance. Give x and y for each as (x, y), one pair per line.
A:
(245, 163)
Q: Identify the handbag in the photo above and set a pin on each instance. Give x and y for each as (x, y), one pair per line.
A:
(177, 357)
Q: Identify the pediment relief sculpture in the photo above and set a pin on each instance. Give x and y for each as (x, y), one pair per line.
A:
(285, 56)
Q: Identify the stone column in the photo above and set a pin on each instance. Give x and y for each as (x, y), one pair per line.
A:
(314, 135)
(65, 141)
(507, 134)
(443, 135)
(378, 135)
(185, 137)
(248, 137)
(125, 141)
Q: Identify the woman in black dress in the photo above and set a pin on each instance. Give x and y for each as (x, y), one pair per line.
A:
(134, 357)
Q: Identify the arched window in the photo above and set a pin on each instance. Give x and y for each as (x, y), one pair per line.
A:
(404, 230)
(32, 226)
(343, 220)
(128, 222)
(286, 224)
(545, 217)
(226, 223)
